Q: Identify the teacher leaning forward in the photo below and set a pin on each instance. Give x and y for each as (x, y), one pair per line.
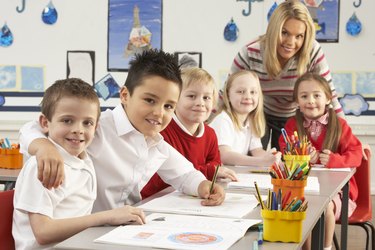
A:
(279, 57)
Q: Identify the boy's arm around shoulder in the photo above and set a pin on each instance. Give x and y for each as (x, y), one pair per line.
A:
(50, 162)
(349, 151)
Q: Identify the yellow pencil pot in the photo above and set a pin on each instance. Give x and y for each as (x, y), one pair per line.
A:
(296, 187)
(282, 226)
(10, 158)
(292, 160)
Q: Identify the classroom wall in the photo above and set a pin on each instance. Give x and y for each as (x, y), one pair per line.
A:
(188, 25)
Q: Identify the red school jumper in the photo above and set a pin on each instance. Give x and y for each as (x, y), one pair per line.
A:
(348, 155)
(203, 152)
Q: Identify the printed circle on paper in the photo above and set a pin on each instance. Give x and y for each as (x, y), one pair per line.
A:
(195, 238)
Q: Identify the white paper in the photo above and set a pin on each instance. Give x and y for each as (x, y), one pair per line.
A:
(246, 181)
(322, 168)
(235, 205)
(172, 231)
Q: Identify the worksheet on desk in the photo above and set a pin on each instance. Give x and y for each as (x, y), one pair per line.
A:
(235, 205)
(173, 231)
(246, 181)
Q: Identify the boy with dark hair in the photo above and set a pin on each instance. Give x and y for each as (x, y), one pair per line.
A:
(128, 148)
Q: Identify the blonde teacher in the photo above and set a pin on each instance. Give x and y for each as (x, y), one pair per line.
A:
(279, 57)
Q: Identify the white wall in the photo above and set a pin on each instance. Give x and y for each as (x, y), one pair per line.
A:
(188, 25)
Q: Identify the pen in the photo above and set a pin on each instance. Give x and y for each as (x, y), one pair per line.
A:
(279, 197)
(214, 179)
(274, 201)
(296, 206)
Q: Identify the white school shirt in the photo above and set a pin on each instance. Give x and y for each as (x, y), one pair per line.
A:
(124, 161)
(241, 141)
(75, 197)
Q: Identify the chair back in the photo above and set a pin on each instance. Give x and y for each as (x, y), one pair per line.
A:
(6, 218)
(362, 177)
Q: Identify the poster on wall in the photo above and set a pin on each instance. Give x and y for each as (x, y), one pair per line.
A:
(81, 64)
(189, 59)
(133, 26)
(325, 15)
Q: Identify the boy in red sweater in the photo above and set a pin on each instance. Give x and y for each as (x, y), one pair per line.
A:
(187, 131)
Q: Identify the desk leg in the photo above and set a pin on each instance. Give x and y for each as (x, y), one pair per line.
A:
(344, 216)
(318, 234)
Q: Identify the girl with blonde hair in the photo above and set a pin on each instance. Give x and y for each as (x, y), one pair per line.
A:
(240, 122)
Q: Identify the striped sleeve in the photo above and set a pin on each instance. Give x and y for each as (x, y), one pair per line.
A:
(320, 66)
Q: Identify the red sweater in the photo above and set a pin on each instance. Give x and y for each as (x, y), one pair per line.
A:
(349, 151)
(203, 152)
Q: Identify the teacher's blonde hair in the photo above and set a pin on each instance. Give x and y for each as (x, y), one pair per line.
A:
(285, 11)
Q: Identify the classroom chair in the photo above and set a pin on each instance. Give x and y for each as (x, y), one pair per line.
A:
(6, 217)
(363, 214)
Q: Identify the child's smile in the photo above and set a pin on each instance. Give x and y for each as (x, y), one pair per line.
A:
(151, 105)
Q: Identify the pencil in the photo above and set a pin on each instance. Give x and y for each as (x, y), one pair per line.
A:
(214, 179)
(258, 193)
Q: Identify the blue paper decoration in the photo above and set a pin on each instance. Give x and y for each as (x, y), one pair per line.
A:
(272, 9)
(6, 36)
(231, 31)
(353, 26)
(49, 14)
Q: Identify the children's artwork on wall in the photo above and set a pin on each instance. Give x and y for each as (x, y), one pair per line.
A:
(8, 75)
(189, 59)
(21, 87)
(32, 78)
(356, 92)
(107, 87)
(325, 15)
(133, 26)
(354, 104)
(81, 64)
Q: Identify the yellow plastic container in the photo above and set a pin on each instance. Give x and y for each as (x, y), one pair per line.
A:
(10, 158)
(294, 159)
(282, 225)
(296, 187)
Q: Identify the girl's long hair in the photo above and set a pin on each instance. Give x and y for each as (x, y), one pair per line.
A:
(256, 117)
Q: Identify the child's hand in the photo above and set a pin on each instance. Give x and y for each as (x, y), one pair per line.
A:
(50, 166)
(324, 156)
(215, 198)
(269, 158)
(277, 155)
(314, 154)
(224, 172)
(125, 215)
